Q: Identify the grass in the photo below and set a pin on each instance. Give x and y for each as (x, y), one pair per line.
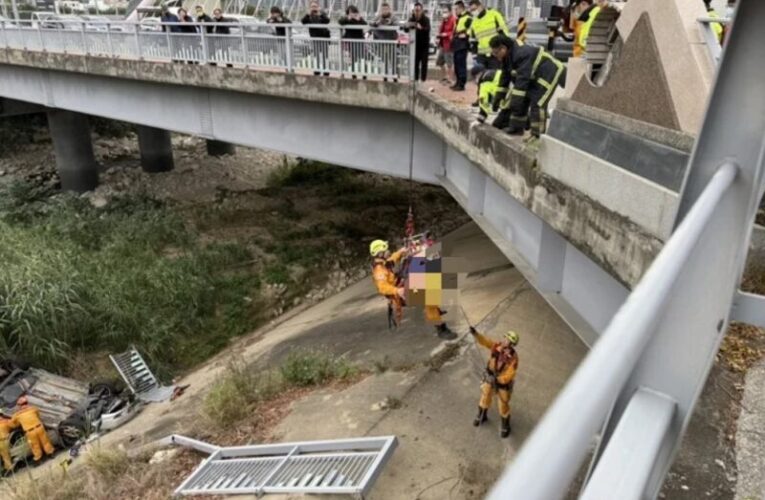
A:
(80, 279)
(235, 397)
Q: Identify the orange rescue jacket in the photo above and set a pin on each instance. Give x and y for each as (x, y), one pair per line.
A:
(28, 418)
(502, 364)
(383, 275)
(6, 426)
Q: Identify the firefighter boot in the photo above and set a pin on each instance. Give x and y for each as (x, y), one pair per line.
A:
(481, 417)
(505, 427)
(444, 333)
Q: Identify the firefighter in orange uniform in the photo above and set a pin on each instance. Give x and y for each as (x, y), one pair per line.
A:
(384, 277)
(6, 426)
(499, 377)
(28, 417)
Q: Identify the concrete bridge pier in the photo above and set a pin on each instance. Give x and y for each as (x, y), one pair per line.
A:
(156, 149)
(220, 148)
(72, 144)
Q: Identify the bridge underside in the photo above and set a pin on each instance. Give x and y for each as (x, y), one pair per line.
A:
(374, 140)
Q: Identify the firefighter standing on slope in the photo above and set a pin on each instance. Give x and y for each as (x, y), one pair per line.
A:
(499, 377)
(535, 75)
(28, 417)
(384, 277)
(6, 426)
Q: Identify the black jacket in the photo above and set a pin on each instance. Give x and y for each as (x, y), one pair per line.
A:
(188, 26)
(518, 64)
(221, 30)
(321, 18)
(279, 30)
(204, 18)
(423, 34)
(352, 34)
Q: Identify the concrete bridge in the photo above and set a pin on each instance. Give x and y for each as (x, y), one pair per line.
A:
(582, 215)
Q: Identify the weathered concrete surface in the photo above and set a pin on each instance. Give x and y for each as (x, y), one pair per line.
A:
(646, 203)
(750, 437)
(662, 73)
(370, 94)
(623, 248)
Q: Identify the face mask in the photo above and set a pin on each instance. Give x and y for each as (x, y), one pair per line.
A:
(386, 15)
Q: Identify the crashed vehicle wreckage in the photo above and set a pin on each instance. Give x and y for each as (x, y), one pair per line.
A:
(70, 410)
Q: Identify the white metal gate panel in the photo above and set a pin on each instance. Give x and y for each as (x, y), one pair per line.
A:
(346, 466)
(137, 375)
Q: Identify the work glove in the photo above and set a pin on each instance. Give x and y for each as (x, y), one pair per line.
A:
(473, 331)
(473, 47)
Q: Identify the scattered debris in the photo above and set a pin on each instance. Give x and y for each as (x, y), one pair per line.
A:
(164, 455)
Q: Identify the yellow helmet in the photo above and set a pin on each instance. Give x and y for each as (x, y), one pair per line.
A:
(378, 246)
(511, 337)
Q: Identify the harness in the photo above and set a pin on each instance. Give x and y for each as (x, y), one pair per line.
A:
(500, 363)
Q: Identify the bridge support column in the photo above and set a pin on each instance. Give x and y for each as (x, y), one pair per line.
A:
(220, 148)
(72, 144)
(156, 149)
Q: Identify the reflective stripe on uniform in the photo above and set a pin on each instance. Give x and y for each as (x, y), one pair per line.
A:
(519, 93)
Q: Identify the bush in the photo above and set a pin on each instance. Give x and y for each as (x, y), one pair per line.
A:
(80, 279)
(309, 367)
(231, 398)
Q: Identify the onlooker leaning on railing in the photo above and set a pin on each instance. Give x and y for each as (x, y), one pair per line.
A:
(319, 37)
(387, 52)
(355, 39)
(276, 16)
(169, 17)
(203, 18)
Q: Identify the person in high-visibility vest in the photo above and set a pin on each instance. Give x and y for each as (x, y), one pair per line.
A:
(487, 23)
(488, 83)
(6, 426)
(717, 28)
(587, 11)
(535, 74)
(461, 45)
(28, 417)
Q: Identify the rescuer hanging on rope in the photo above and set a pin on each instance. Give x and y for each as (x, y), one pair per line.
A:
(499, 377)
(383, 265)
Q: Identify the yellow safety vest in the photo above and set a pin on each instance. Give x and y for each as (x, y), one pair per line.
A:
(487, 90)
(486, 27)
(716, 27)
(462, 23)
(584, 31)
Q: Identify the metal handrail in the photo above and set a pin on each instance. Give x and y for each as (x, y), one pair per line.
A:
(579, 411)
(245, 45)
(713, 44)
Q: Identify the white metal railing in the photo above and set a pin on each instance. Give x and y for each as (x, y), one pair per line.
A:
(266, 46)
(634, 394)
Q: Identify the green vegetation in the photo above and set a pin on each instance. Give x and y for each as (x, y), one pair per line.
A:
(304, 368)
(78, 278)
(237, 394)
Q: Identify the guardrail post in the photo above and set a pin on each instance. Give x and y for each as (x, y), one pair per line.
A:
(288, 48)
(203, 38)
(138, 42)
(82, 37)
(169, 42)
(39, 35)
(412, 55)
(109, 39)
(244, 45)
(5, 35)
